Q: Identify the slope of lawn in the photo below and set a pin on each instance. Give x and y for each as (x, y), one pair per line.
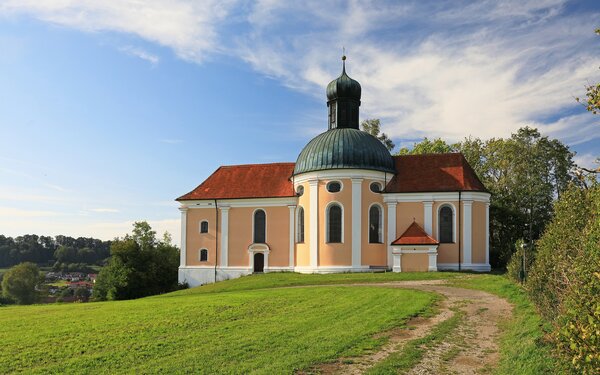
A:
(287, 279)
(243, 331)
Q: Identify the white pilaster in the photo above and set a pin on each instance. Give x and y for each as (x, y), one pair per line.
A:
(432, 254)
(397, 262)
(224, 236)
(391, 220)
(467, 230)
(183, 252)
(356, 221)
(314, 222)
(487, 233)
(428, 217)
(292, 234)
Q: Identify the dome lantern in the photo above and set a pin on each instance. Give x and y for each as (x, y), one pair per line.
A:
(343, 100)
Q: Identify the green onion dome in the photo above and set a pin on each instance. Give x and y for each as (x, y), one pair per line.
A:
(343, 87)
(344, 148)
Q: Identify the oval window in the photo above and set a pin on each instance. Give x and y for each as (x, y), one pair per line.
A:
(376, 187)
(334, 187)
(300, 190)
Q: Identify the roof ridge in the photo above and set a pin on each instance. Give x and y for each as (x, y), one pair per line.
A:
(257, 164)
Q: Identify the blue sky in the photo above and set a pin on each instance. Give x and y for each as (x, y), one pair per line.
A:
(110, 109)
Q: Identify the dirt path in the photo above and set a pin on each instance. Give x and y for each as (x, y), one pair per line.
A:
(471, 348)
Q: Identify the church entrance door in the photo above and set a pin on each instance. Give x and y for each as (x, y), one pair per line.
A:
(259, 262)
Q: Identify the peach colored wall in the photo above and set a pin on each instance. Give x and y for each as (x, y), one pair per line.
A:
(372, 254)
(447, 252)
(478, 241)
(240, 235)
(278, 235)
(335, 254)
(196, 241)
(302, 249)
(415, 262)
(405, 212)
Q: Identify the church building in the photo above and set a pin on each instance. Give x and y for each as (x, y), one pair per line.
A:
(345, 205)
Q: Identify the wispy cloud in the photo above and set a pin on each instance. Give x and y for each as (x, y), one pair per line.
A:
(189, 28)
(432, 69)
(171, 141)
(587, 160)
(105, 210)
(141, 53)
(11, 213)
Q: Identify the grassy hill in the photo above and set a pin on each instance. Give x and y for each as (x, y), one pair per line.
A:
(255, 324)
(231, 327)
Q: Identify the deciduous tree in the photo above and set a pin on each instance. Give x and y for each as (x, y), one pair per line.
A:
(20, 281)
(373, 127)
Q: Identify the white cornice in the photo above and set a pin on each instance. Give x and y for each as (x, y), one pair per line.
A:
(476, 196)
(343, 173)
(246, 202)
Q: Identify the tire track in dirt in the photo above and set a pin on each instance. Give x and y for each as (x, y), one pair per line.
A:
(471, 348)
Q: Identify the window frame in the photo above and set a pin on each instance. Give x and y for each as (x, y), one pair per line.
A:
(254, 226)
(327, 222)
(378, 184)
(334, 182)
(207, 224)
(300, 229)
(200, 255)
(380, 233)
(453, 222)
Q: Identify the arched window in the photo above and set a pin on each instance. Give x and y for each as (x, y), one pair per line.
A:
(334, 223)
(260, 230)
(375, 233)
(204, 227)
(203, 255)
(445, 225)
(300, 223)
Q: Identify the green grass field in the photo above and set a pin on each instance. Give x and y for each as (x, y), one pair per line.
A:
(260, 331)
(249, 325)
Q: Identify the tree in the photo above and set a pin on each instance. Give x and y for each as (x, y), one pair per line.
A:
(82, 294)
(564, 281)
(20, 281)
(426, 146)
(525, 174)
(373, 127)
(139, 266)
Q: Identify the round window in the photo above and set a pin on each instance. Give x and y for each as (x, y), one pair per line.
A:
(300, 190)
(334, 187)
(376, 187)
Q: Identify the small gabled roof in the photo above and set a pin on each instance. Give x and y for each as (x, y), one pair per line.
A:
(433, 173)
(415, 235)
(246, 181)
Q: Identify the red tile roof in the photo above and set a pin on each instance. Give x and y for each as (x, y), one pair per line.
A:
(246, 181)
(432, 173)
(415, 173)
(415, 235)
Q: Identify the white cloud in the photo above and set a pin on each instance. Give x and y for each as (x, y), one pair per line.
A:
(11, 212)
(105, 210)
(141, 53)
(434, 69)
(188, 27)
(482, 69)
(587, 160)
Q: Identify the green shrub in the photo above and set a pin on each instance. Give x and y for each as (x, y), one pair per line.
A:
(564, 282)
